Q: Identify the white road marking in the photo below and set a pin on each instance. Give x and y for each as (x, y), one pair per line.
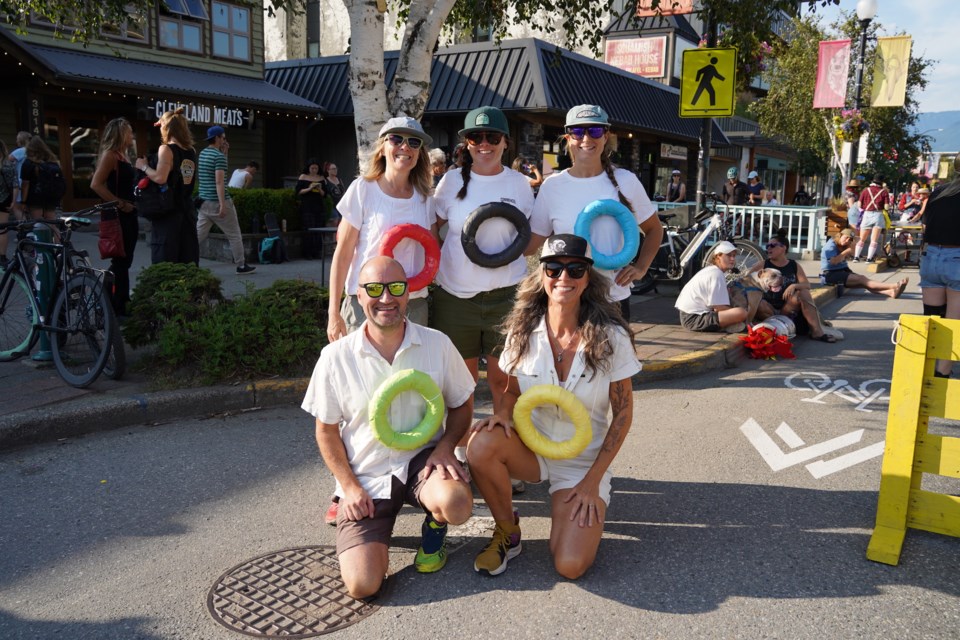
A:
(778, 460)
(822, 468)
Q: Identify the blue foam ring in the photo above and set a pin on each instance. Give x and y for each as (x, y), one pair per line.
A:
(628, 224)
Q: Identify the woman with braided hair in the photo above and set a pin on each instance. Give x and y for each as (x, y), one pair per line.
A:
(593, 177)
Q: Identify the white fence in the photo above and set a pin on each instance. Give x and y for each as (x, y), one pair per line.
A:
(805, 227)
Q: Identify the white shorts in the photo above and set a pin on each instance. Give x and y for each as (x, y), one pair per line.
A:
(566, 474)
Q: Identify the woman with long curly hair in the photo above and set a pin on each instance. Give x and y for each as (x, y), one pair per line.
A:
(593, 176)
(114, 180)
(39, 204)
(174, 237)
(394, 189)
(565, 331)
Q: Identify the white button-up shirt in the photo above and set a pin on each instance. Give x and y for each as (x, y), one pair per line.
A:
(347, 375)
(538, 367)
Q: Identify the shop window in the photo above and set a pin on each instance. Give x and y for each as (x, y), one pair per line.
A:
(180, 25)
(231, 31)
(177, 33)
(313, 28)
(84, 147)
(134, 28)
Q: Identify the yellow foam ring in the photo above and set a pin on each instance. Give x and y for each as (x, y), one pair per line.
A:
(383, 397)
(537, 442)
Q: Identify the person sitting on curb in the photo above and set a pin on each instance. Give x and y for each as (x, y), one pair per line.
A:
(374, 481)
(834, 269)
(793, 299)
(704, 302)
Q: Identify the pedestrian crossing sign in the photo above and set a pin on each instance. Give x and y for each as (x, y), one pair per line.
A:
(707, 82)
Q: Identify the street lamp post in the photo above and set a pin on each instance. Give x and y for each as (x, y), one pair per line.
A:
(866, 10)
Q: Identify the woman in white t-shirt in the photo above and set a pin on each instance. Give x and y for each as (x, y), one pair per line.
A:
(563, 331)
(395, 189)
(704, 302)
(563, 196)
(471, 301)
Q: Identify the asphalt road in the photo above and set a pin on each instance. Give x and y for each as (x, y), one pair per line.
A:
(742, 507)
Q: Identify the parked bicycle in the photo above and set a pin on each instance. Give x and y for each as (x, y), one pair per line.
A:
(77, 315)
(684, 249)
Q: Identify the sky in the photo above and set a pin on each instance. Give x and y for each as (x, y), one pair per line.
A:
(933, 25)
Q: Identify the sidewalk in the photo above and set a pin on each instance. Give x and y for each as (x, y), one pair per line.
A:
(38, 406)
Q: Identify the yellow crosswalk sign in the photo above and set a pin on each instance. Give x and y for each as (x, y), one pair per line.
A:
(707, 82)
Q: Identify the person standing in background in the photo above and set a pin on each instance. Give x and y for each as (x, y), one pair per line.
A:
(676, 190)
(243, 178)
(217, 208)
(174, 238)
(114, 180)
(530, 170)
(19, 155)
(734, 191)
(755, 188)
(38, 191)
(874, 199)
(313, 214)
(332, 185)
(8, 187)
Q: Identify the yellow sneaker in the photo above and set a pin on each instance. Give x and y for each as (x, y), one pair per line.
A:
(504, 546)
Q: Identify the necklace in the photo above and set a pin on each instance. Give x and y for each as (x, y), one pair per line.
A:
(563, 348)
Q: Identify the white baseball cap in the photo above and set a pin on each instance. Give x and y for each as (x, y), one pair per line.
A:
(752, 175)
(723, 247)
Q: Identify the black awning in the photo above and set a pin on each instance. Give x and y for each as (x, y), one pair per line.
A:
(67, 66)
(519, 75)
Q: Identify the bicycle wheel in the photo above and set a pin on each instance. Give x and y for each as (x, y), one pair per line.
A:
(84, 326)
(116, 364)
(18, 318)
(748, 255)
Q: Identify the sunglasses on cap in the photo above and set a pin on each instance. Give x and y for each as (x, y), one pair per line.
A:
(397, 140)
(774, 245)
(477, 137)
(593, 132)
(575, 270)
(375, 289)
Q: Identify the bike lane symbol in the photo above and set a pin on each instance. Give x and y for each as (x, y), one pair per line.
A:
(778, 459)
(868, 392)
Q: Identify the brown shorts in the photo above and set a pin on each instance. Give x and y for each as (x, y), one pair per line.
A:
(379, 528)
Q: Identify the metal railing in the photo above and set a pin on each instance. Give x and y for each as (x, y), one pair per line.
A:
(804, 226)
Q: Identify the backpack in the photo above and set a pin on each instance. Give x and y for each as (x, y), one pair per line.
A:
(272, 251)
(50, 183)
(8, 180)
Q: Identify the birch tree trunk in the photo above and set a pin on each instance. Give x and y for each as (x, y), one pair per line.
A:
(365, 78)
(410, 90)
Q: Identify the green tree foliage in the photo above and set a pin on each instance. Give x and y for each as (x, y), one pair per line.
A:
(787, 110)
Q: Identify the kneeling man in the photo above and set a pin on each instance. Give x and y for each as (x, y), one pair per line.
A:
(374, 481)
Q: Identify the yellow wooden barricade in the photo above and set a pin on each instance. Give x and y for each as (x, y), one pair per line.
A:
(916, 395)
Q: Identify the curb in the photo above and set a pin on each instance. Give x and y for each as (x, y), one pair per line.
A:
(103, 413)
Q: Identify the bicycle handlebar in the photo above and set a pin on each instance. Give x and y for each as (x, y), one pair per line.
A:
(62, 223)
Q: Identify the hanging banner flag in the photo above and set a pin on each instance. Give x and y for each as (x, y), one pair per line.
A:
(890, 72)
(833, 68)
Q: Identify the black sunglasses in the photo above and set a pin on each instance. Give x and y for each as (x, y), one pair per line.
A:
(477, 137)
(397, 140)
(375, 289)
(593, 132)
(774, 245)
(575, 270)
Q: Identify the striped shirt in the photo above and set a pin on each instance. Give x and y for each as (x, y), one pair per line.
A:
(210, 161)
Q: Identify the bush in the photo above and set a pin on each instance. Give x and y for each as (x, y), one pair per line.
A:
(252, 203)
(169, 294)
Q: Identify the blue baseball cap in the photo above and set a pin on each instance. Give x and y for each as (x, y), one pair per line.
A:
(214, 131)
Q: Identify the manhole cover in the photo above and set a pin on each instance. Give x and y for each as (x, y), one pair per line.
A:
(294, 593)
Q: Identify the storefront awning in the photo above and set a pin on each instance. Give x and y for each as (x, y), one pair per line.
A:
(65, 66)
(518, 75)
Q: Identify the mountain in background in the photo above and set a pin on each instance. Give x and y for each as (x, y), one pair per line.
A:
(949, 121)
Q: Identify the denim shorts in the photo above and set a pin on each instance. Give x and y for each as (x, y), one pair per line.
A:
(871, 219)
(940, 268)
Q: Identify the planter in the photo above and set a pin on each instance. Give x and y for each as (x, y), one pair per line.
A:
(836, 221)
(217, 247)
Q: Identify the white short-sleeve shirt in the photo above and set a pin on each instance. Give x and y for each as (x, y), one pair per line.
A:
(562, 197)
(348, 373)
(367, 208)
(592, 389)
(458, 275)
(706, 289)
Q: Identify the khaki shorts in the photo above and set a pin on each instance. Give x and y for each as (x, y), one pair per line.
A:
(472, 324)
(379, 528)
(353, 315)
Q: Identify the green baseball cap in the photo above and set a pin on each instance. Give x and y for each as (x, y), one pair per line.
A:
(485, 119)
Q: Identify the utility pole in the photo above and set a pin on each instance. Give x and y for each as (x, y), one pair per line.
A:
(706, 130)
